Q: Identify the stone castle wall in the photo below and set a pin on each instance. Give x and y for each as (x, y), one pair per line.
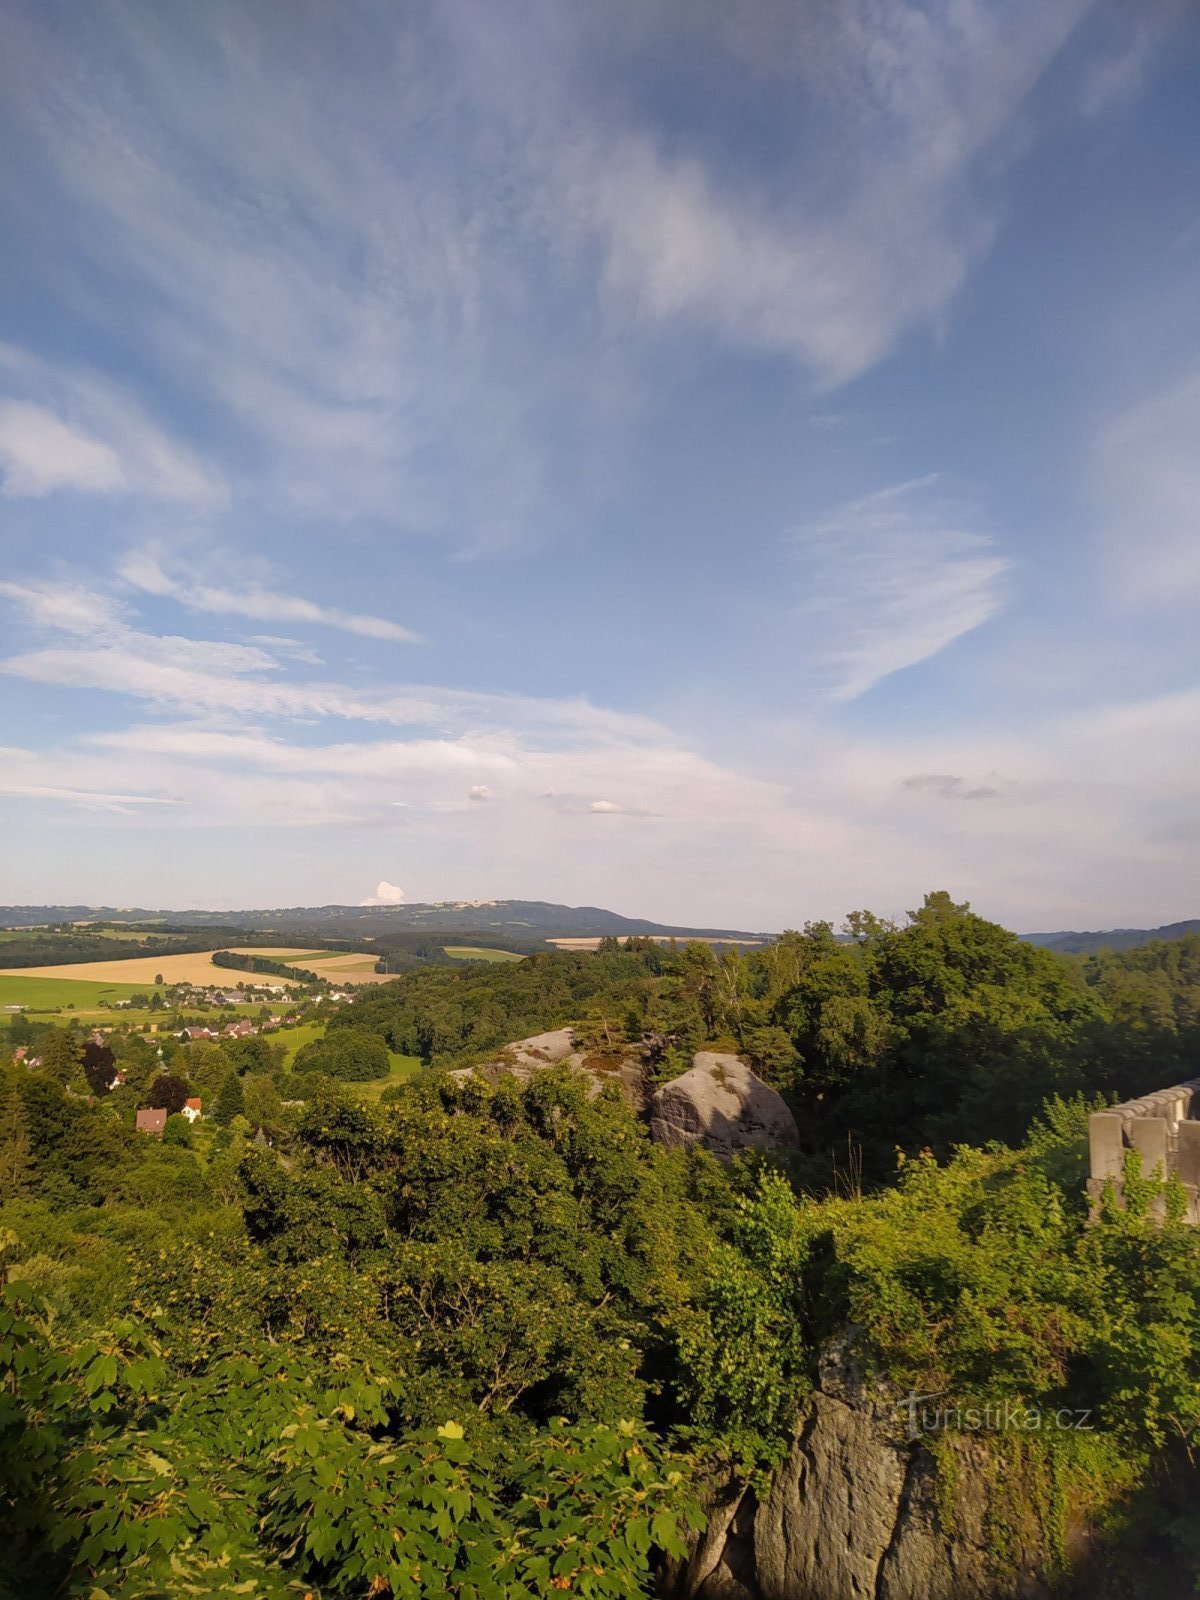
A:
(1164, 1127)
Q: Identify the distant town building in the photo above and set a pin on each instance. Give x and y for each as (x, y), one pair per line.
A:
(153, 1120)
(192, 1108)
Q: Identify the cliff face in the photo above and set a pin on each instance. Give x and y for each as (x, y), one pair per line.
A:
(853, 1514)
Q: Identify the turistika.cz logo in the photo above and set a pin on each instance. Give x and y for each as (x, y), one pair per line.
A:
(1007, 1416)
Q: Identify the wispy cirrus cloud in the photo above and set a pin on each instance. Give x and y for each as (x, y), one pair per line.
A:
(398, 303)
(890, 580)
(67, 428)
(880, 215)
(1145, 476)
(88, 640)
(144, 570)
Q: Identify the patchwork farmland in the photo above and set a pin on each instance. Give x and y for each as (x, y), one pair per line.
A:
(87, 982)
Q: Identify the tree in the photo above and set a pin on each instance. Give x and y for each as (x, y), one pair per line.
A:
(61, 1055)
(178, 1131)
(354, 1055)
(263, 1105)
(206, 1065)
(16, 1155)
(99, 1067)
(169, 1092)
(231, 1101)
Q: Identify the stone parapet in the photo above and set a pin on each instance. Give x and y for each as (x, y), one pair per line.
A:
(1163, 1127)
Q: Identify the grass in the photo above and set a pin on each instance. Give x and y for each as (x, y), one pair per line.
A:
(294, 1039)
(403, 1068)
(474, 952)
(56, 994)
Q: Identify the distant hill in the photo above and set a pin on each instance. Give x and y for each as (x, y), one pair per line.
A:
(528, 923)
(1114, 939)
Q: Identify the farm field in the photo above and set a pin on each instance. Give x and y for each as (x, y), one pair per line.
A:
(134, 975)
(470, 952)
(36, 992)
(659, 938)
(348, 967)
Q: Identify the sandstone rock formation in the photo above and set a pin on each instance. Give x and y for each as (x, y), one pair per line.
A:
(852, 1514)
(559, 1047)
(722, 1105)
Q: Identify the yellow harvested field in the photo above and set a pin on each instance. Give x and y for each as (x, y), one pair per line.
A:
(348, 966)
(659, 938)
(337, 966)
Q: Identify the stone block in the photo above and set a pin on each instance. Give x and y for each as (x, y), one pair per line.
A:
(1187, 1156)
(1106, 1145)
(1149, 1136)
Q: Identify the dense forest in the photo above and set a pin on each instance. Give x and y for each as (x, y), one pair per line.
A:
(489, 1340)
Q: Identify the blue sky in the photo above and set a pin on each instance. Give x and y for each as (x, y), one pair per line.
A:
(731, 463)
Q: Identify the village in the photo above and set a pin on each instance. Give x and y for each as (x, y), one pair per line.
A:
(184, 1016)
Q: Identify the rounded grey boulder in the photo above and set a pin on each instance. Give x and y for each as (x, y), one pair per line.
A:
(722, 1105)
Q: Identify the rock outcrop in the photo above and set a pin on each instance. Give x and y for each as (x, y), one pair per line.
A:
(718, 1102)
(853, 1514)
(721, 1104)
(559, 1047)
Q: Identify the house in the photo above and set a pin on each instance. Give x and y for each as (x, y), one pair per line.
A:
(199, 1033)
(191, 1108)
(152, 1120)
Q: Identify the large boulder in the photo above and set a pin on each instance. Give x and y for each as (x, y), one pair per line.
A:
(525, 1057)
(722, 1105)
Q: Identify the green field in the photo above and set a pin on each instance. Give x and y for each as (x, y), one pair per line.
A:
(472, 952)
(54, 994)
(403, 1068)
(295, 1039)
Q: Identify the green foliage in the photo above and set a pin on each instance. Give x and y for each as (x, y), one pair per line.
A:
(16, 1157)
(351, 1054)
(479, 1340)
(231, 1100)
(265, 1471)
(178, 1131)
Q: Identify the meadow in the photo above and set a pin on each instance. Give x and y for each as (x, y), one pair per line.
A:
(36, 991)
(471, 952)
(294, 1039)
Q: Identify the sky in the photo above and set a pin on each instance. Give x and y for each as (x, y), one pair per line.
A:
(729, 463)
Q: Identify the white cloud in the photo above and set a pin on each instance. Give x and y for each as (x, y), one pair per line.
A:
(362, 293)
(103, 651)
(1146, 485)
(604, 806)
(66, 428)
(479, 791)
(144, 570)
(888, 581)
(386, 894)
(880, 217)
(38, 453)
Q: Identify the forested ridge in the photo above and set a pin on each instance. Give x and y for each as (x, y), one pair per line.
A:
(492, 1341)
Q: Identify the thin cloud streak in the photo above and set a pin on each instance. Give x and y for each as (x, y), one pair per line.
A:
(889, 581)
(145, 571)
(69, 429)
